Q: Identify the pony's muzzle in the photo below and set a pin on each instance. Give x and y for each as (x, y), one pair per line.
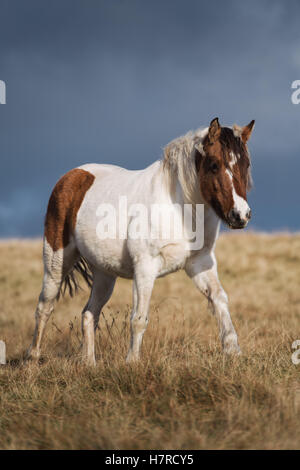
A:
(237, 220)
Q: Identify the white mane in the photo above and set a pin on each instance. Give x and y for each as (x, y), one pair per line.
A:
(179, 161)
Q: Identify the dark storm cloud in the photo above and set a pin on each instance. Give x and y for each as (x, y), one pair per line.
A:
(114, 81)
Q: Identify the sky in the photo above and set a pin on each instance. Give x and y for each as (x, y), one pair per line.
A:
(114, 81)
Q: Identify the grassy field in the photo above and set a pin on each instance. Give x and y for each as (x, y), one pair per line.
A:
(184, 394)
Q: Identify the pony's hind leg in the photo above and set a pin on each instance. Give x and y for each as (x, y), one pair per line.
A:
(43, 311)
(56, 267)
(103, 285)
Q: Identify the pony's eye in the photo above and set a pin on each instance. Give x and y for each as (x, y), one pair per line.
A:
(214, 167)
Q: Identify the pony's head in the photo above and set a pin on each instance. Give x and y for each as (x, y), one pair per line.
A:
(223, 169)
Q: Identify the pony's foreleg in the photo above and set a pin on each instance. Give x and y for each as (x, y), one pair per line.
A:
(205, 276)
(142, 289)
(101, 292)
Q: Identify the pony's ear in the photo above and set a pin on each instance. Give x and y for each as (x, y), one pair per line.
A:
(247, 131)
(214, 130)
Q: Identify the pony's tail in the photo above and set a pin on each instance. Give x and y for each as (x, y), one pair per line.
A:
(71, 282)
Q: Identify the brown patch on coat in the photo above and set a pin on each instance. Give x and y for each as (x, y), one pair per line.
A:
(215, 183)
(63, 206)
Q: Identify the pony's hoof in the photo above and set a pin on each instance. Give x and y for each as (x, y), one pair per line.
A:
(131, 358)
(230, 345)
(32, 356)
(233, 350)
(88, 362)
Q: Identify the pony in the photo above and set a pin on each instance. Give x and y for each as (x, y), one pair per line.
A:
(209, 167)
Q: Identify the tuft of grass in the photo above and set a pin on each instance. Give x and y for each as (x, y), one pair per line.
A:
(183, 394)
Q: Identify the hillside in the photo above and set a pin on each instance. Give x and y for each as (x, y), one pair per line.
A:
(184, 394)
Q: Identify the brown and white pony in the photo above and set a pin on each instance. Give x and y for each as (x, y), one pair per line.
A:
(209, 166)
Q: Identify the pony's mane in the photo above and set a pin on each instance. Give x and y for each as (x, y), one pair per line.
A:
(179, 158)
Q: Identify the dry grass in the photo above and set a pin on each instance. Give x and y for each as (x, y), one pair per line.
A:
(184, 393)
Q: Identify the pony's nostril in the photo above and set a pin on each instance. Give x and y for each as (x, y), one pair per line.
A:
(235, 215)
(249, 214)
